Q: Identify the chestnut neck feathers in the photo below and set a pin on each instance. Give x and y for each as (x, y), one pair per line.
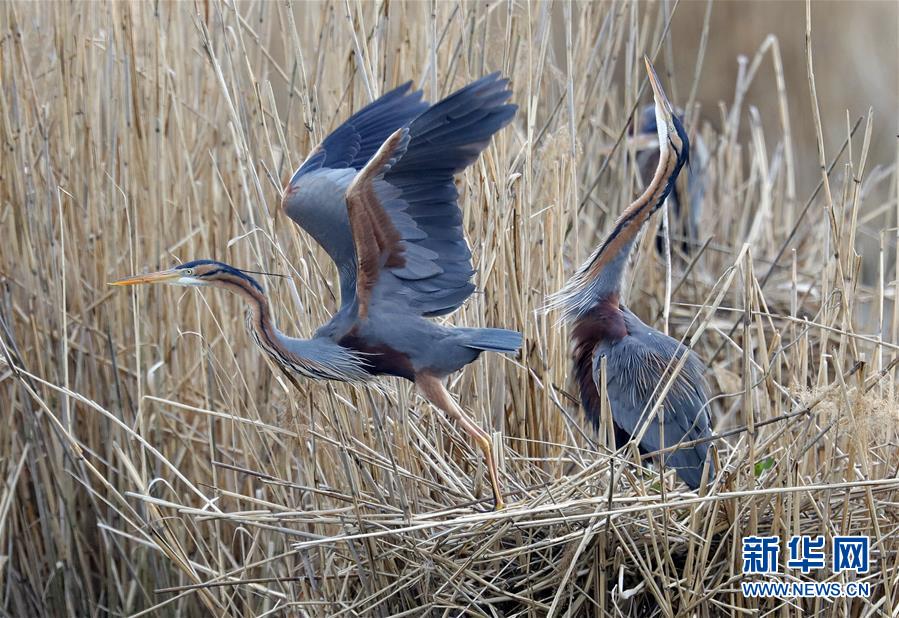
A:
(318, 358)
(600, 278)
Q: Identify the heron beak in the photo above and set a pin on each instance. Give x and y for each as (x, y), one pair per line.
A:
(163, 276)
(663, 105)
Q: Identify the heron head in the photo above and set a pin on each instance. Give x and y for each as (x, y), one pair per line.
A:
(194, 274)
(668, 126)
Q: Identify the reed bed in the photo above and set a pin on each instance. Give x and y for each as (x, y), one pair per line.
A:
(154, 463)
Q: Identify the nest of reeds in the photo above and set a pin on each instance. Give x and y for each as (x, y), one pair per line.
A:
(154, 463)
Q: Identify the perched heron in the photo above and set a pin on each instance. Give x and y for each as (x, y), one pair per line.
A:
(639, 359)
(685, 197)
(378, 195)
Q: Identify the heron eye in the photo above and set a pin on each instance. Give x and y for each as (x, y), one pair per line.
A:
(188, 272)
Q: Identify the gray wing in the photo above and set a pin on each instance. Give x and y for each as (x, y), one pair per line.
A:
(314, 196)
(353, 143)
(404, 225)
(637, 366)
(435, 276)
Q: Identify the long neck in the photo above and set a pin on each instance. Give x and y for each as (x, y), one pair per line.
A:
(317, 358)
(600, 278)
(260, 324)
(262, 328)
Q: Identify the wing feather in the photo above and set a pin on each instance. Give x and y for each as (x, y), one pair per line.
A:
(377, 241)
(444, 140)
(402, 226)
(639, 366)
(353, 143)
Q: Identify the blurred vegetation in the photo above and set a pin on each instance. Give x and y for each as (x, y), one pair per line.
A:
(154, 463)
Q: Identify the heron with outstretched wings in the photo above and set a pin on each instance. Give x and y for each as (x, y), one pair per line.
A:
(378, 194)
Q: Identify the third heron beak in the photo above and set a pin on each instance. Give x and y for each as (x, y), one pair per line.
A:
(657, 91)
(163, 276)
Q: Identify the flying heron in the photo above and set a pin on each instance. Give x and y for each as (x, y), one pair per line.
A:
(639, 359)
(378, 195)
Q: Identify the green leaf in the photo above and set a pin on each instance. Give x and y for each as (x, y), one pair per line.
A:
(763, 464)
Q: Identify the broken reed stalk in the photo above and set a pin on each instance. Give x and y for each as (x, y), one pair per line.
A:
(152, 463)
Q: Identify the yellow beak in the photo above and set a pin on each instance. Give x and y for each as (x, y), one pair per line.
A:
(163, 276)
(661, 99)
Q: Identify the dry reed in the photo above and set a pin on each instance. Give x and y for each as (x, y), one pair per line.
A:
(152, 461)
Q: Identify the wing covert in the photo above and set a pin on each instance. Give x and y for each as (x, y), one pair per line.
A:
(375, 236)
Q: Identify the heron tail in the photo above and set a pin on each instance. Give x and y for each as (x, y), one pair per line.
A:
(492, 339)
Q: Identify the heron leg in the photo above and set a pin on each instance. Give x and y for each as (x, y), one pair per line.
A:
(434, 391)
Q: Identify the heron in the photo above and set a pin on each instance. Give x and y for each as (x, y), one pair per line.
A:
(685, 198)
(639, 359)
(378, 195)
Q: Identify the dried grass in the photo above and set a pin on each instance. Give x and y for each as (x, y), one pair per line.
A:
(153, 463)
